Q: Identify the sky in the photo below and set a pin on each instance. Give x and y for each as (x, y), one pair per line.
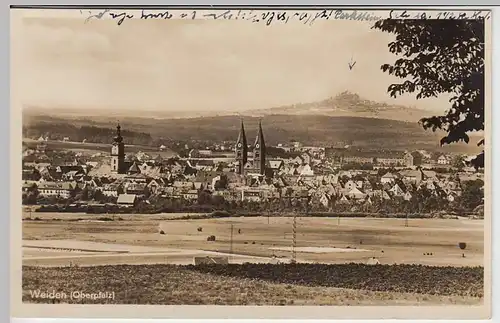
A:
(194, 65)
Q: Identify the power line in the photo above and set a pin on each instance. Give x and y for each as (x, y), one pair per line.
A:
(231, 243)
(294, 241)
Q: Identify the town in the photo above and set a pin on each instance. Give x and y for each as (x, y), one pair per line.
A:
(247, 176)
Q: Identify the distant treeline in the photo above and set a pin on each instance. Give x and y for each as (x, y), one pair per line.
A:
(59, 131)
(200, 132)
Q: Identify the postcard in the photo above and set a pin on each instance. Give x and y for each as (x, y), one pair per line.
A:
(222, 162)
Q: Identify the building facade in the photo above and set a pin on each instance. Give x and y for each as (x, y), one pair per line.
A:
(257, 164)
(259, 152)
(118, 153)
(241, 151)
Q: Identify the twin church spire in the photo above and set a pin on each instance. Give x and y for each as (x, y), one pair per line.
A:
(258, 162)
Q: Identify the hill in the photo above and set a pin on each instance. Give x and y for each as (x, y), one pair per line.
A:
(347, 104)
(308, 129)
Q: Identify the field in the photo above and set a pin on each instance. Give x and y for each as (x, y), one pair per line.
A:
(386, 239)
(55, 244)
(94, 148)
(193, 285)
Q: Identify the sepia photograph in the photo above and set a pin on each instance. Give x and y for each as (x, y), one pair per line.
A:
(257, 157)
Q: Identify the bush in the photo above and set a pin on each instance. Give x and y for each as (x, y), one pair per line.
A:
(220, 214)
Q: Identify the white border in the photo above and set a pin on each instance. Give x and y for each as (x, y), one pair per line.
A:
(4, 301)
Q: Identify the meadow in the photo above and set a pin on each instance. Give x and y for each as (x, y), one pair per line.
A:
(148, 259)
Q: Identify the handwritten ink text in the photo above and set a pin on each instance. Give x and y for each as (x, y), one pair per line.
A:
(269, 18)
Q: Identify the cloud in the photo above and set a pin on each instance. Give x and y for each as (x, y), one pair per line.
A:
(43, 40)
(199, 64)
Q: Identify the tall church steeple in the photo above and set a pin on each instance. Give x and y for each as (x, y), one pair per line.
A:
(259, 151)
(241, 150)
(118, 153)
(118, 137)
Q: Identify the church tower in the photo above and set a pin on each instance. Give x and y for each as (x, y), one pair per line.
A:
(241, 150)
(118, 153)
(259, 152)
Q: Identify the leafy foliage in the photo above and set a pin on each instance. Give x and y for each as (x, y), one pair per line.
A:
(60, 130)
(441, 57)
(473, 194)
(199, 133)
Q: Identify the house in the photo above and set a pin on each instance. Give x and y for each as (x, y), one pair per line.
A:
(296, 144)
(387, 178)
(251, 195)
(343, 199)
(134, 169)
(190, 195)
(407, 196)
(306, 170)
(414, 176)
(135, 188)
(153, 185)
(396, 190)
(151, 169)
(430, 185)
(443, 160)
(356, 193)
(226, 194)
(349, 185)
(72, 175)
(390, 161)
(357, 160)
(324, 199)
(275, 166)
(170, 191)
(409, 159)
(111, 190)
(183, 185)
(127, 200)
(208, 178)
(61, 189)
(413, 159)
(380, 193)
(430, 175)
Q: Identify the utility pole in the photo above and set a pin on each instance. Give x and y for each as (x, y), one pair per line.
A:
(231, 243)
(294, 241)
(406, 220)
